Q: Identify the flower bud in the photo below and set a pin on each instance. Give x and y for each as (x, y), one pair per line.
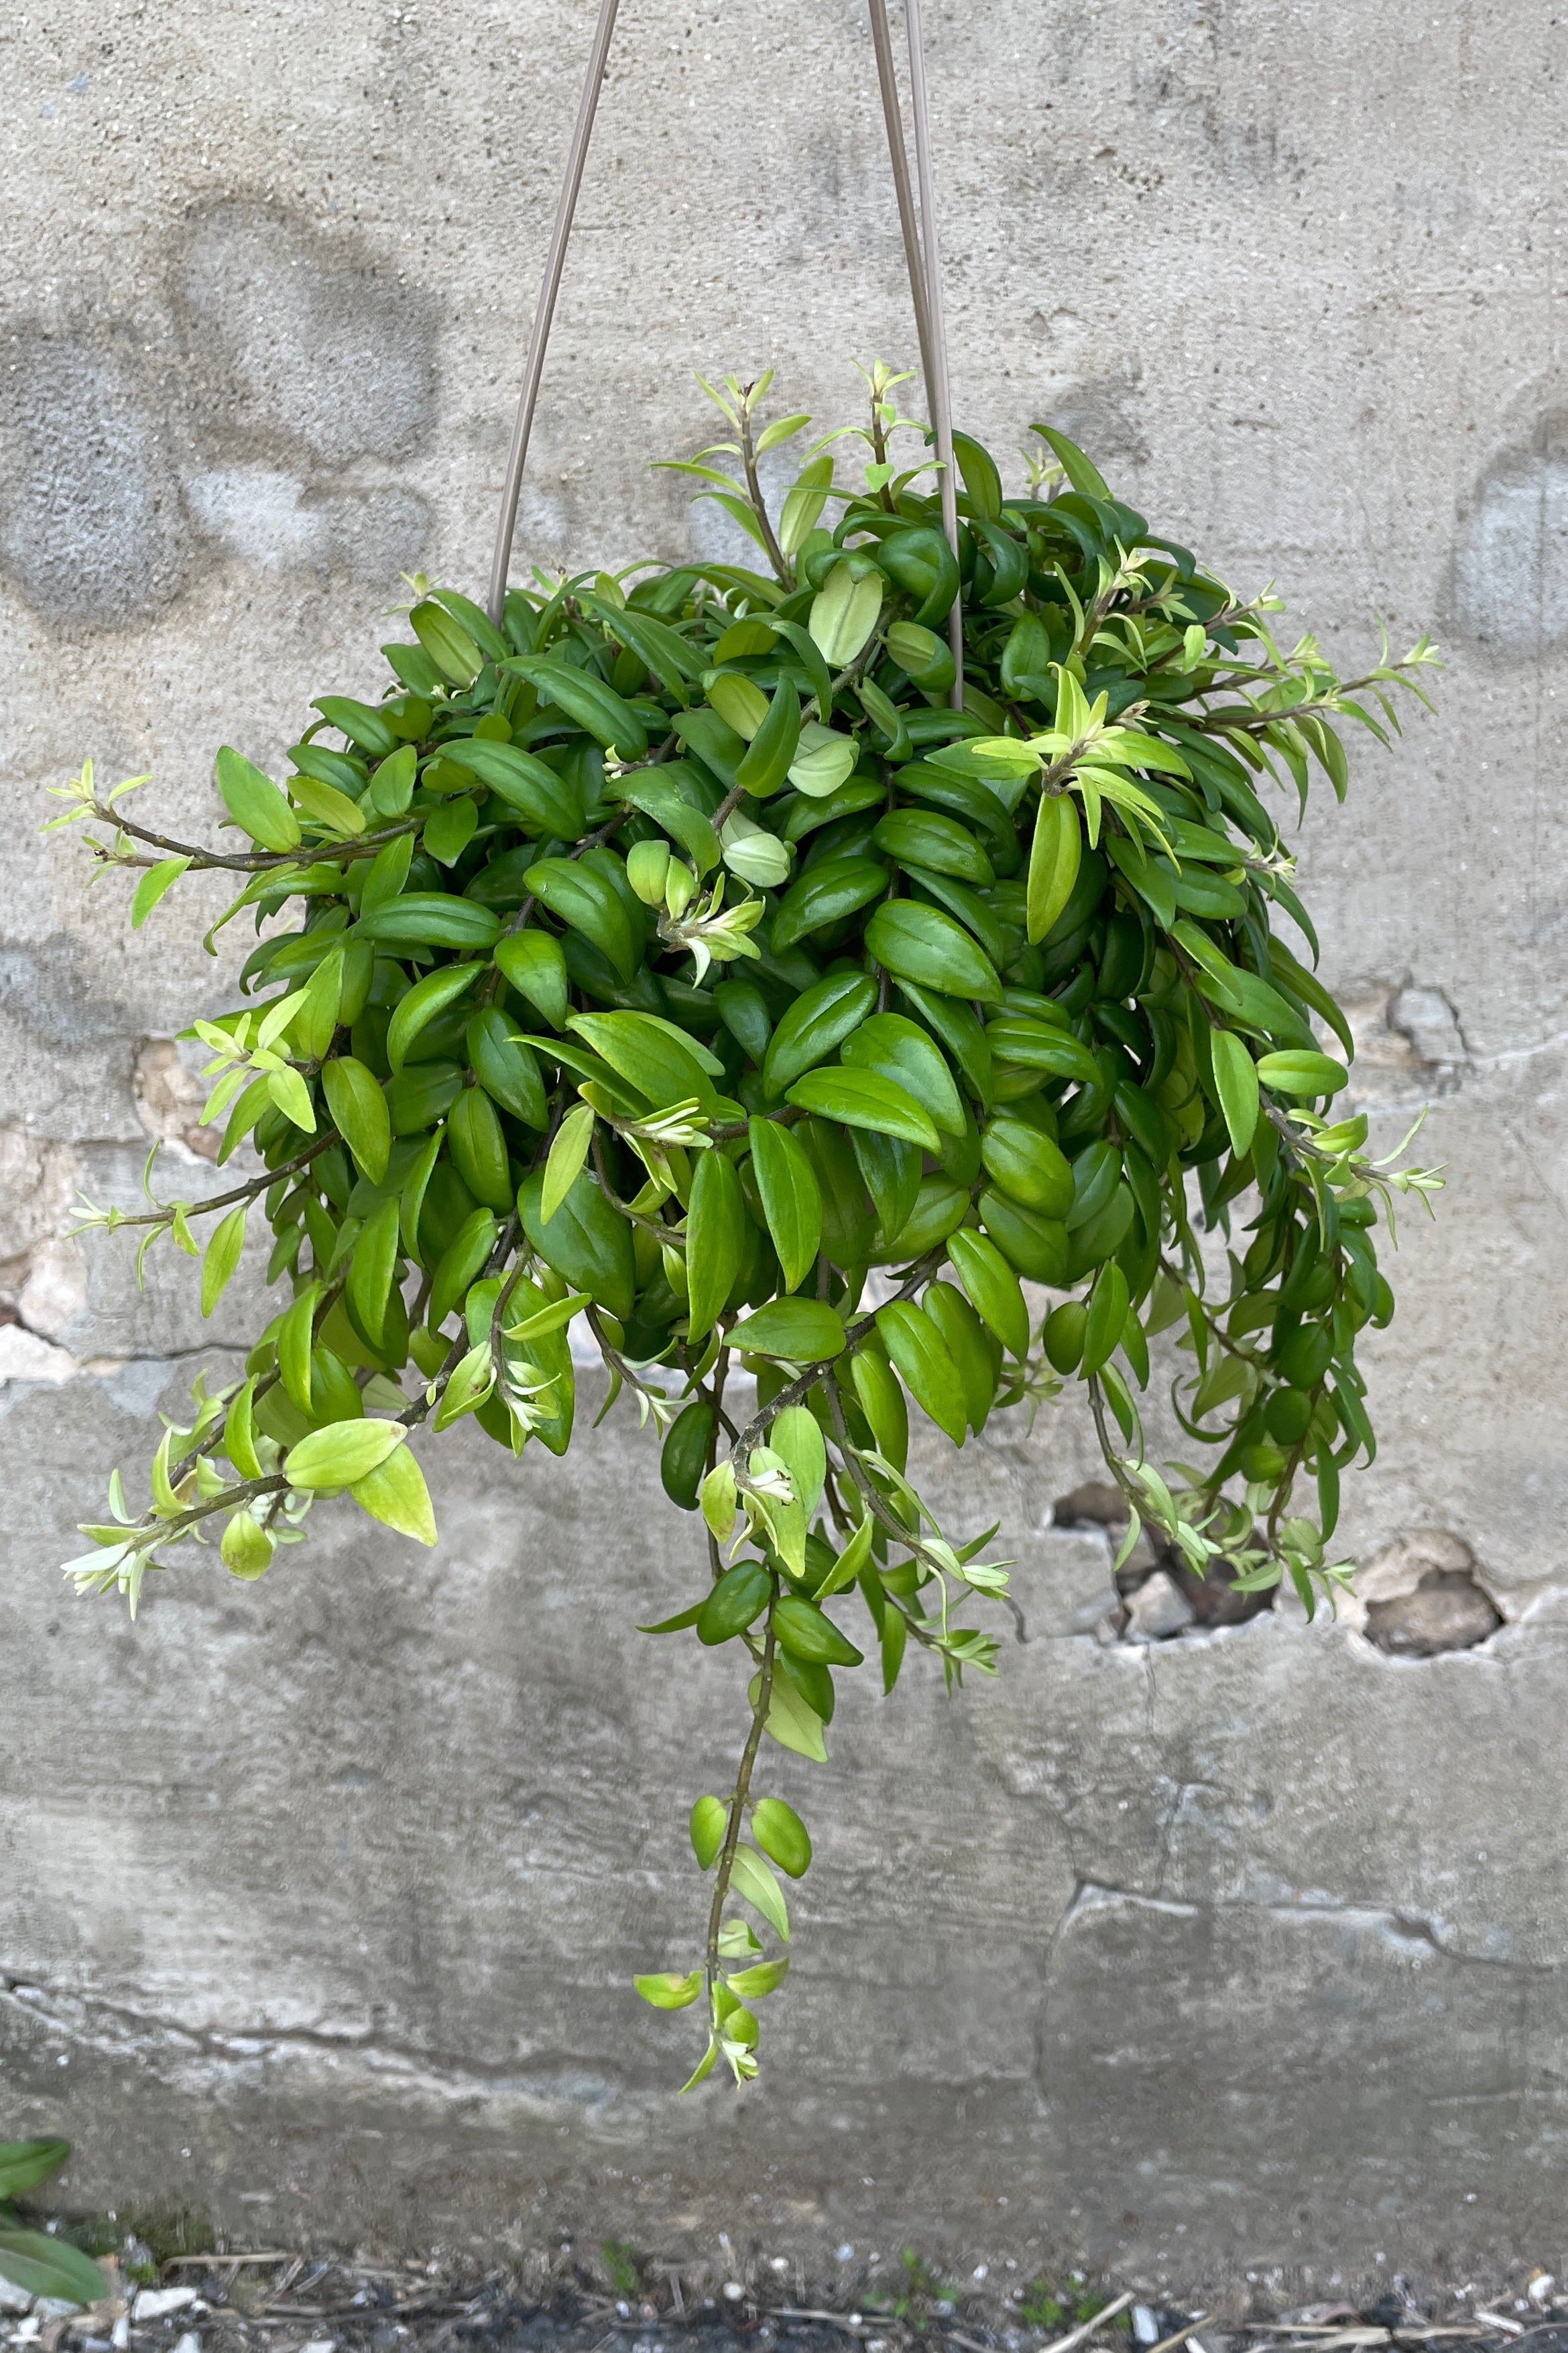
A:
(680, 888)
(647, 862)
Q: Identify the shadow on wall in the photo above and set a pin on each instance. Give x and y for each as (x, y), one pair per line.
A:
(1510, 589)
(261, 421)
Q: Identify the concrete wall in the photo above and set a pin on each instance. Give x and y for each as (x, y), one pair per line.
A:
(318, 1899)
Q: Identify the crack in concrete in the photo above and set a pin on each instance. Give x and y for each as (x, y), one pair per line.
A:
(1384, 1919)
(234, 2046)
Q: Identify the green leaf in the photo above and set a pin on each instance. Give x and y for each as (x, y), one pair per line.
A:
(792, 1199)
(668, 1991)
(765, 1976)
(429, 918)
(789, 1722)
(451, 647)
(1300, 1073)
(900, 1050)
(420, 1006)
(785, 1840)
(923, 1356)
(1084, 476)
(797, 1439)
(373, 1267)
(40, 2265)
(588, 902)
(709, 1820)
(595, 707)
(851, 1561)
(844, 613)
(818, 1021)
(342, 1454)
(822, 760)
(1236, 1084)
(921, 944)
(25, 2163)
(704, 2066)
(809, 1634)
(1055, 855)
(755, 1880)
(567, 1154)
(395, 1492)
(544, 801)
(587, 1242)
(863, 1099)
(652, 1054)
(715, 1239)
(327, 807)
(992, 1286)
(800, 1331)
(222, 1257)
(534, 965)
(247, 1549)
(359, 1112)
(771, 749)
(255, 802)
(1107, 1304)
(295, 1335)
(449, 829)
(151, 887)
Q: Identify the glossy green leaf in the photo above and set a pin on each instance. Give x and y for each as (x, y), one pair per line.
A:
(791, 1197)
(922, 944)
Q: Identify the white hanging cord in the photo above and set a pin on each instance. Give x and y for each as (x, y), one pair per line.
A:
(545, 309)
(937, 377)
(892, 116)
(925, 286)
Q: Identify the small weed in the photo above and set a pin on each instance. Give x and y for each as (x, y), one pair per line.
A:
(171, 2230)
(621, 2263)
(922, 2293)
(1039, 2308)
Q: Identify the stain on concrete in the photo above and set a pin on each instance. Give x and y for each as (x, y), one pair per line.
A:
(297, 343)
(91, 527)
(1509, 587)
(42, 989)
(279, 522)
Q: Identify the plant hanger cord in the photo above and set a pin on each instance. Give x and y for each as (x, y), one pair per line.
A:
(925, 291)
(550, 286)
(925, 274)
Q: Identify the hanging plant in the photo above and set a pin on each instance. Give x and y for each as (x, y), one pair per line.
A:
(674, 962)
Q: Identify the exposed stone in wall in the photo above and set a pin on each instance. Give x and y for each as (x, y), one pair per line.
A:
(1422, 1595)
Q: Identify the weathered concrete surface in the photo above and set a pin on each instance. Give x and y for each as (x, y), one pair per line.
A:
(1240, 1945)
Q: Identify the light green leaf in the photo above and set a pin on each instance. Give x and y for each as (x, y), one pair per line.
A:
(395, 1492)
(567, 1154)
(222, 1257)
(757, 1880)
(255, 802)
(844, 613)
(668, 1991)
(151, 887)
(342, 1454)
(1236, 1084)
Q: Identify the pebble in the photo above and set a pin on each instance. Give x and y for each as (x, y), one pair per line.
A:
(156, 2303)
(1145, 2328)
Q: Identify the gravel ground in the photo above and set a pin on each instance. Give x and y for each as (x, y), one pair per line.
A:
(612, 2301)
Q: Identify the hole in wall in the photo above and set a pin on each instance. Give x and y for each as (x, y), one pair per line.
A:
(1160, 1597)
(1422, 1596)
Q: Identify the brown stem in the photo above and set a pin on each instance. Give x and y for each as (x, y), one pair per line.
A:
(776, 555)
(741, 1791)
(260, 861)
(246, 1192)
